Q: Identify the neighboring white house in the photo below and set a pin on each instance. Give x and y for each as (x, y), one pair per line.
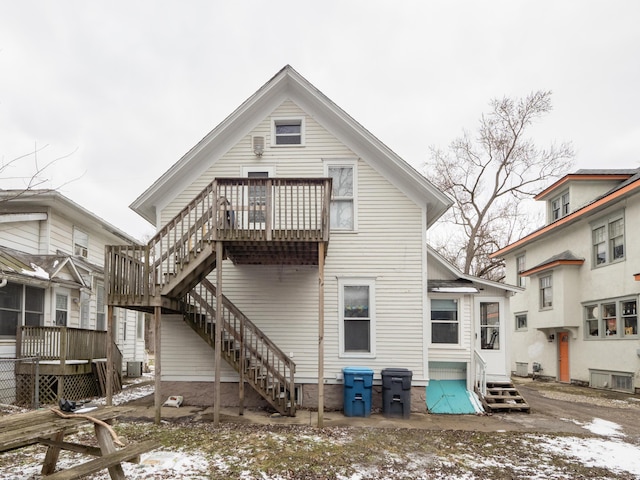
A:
(51, 270)
(577, 319)
(365, 295)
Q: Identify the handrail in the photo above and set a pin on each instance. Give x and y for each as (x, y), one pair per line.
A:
(66, 343)
(228, 209)
(244, 344)
(480, 373)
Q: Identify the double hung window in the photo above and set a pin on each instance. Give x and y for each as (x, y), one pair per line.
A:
(342, 197)
(357, 311)
(445, 327)
(546, 292)
(288, 131)
(80, 243)
(608, 240)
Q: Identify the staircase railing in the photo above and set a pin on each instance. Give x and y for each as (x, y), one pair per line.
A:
(228, 209)
(258, 360)
(480, 382)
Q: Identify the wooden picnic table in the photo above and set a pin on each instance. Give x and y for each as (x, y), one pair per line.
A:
(48, 428)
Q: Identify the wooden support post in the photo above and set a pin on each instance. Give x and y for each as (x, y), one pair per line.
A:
(242, 360)
(157, 397)
(109, 382)
(218, 338)
(321, 334)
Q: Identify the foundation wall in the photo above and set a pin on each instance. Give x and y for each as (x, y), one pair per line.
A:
(201, 394)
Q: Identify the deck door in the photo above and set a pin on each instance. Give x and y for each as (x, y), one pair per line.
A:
(490, 334)
(256, 199)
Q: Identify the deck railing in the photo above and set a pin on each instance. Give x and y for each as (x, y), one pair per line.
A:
(65, 344)
(228, 209)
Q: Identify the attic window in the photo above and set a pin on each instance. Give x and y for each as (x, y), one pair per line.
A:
(288, 132)
(560, 206)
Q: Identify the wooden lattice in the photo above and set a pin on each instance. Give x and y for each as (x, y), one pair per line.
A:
(48, 388)
(77, 387)
(25, 390)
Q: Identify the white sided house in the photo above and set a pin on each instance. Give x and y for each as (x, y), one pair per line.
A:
(52, 292)
(292, 242)
(577, 319)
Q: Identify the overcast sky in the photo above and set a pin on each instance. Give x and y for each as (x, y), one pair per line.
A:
(128, 87)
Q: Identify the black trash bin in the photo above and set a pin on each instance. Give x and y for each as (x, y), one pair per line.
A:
(396, 392)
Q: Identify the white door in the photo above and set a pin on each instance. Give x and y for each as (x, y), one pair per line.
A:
(491, 334)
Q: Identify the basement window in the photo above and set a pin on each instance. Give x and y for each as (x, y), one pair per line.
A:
(611, 380)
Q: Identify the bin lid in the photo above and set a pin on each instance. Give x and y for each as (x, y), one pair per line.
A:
(397, 372)
(357, 370)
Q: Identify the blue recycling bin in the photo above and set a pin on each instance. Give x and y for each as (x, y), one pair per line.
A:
(358, 382)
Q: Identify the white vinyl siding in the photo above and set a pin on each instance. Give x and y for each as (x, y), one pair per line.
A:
(283, 300)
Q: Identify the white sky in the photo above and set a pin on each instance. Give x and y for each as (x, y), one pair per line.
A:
(130, 86)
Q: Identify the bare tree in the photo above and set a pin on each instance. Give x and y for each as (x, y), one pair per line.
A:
(488, 177)
(35, 179)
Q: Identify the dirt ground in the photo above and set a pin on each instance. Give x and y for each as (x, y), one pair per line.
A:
(555, 408)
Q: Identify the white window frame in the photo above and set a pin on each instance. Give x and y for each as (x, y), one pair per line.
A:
(606, 223)
(458, 321)
(294, 120)
(67, 296)
(80, 243)
(101, 304)
(357, 282)
(345, 163)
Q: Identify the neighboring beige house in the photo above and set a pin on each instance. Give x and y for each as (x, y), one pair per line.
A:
(302, 293)
(577, 320)
(52, 276)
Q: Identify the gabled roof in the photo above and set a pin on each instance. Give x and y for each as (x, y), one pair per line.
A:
(289, 84)
(36, 201)
(462, 280)
(38, 269)
(628, 186)
(565, 258)
(587, 174)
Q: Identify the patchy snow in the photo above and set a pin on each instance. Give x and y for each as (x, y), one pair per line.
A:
(37, 272)
(131, 391)
(599, 426)
(615, 455)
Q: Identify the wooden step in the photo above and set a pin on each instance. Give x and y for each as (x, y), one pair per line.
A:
(503, 396)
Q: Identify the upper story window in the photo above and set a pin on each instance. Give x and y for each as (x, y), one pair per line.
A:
(560, 206)
(608, 240)
(546, 292)
(343, 198)
(288, 131)
(80, 243)
(520, 267)
(611, 319)
(445, 326)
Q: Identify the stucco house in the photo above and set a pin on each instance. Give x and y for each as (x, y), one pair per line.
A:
(294, 242)
(577, 319)
(52, 291)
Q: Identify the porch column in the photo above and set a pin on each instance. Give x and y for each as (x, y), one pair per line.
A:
(218, 335)
(157, 395)
(109, 382)
(321, 334)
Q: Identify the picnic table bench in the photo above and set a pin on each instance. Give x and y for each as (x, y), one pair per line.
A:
(48, 428)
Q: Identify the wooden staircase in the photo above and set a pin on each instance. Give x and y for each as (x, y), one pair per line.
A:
(255, 221)
(503, 396)
(258, 361)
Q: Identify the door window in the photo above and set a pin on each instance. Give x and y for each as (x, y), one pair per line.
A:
(489, 325)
